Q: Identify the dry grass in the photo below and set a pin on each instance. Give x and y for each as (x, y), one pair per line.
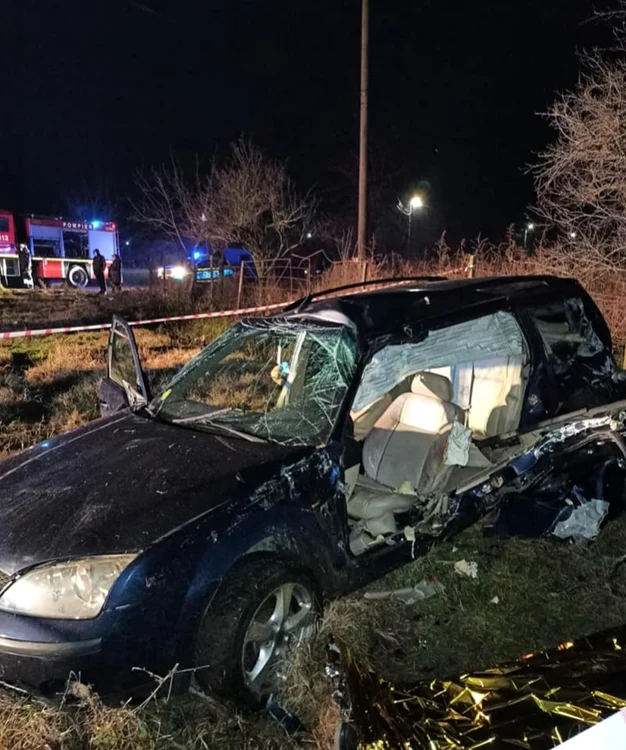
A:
(182, 724)
(351, 621)
(50, 385)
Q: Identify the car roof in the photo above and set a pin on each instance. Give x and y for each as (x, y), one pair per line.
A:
(395, 303)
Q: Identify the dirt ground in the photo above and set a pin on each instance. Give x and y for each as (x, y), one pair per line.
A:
(59, 306)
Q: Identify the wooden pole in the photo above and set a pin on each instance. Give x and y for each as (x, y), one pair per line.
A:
(240, 287)
(362, 217)
(471, 268)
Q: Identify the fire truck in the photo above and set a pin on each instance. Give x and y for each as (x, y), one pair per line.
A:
(60, 250)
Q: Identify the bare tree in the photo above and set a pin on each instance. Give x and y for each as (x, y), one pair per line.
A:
(168, 202)
(248, 199)
(616, 18)
(581, 178)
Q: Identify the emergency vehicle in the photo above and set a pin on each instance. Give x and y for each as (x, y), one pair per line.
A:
(60, 250)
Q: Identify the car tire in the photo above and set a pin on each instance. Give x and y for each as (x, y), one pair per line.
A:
(244, 625)
(77, 277)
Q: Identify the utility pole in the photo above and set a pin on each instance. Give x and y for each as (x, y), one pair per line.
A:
(362, 220)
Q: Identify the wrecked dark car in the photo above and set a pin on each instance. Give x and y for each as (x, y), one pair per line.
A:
(296, 458)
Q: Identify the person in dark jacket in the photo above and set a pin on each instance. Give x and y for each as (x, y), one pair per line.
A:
(115, 273)
(26, 266)
(99, 265)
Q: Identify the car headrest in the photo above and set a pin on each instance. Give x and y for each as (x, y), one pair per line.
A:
(426, 414)
(432, 385)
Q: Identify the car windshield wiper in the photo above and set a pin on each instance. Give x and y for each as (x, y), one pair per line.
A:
(206, 417)
(209, 420)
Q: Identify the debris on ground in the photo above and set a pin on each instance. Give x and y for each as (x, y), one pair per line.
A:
(427, 587)
(583, 521)
(465, 568)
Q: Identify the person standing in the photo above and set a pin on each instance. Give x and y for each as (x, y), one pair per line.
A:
(25, 266)
(99, 265)
(115, 273)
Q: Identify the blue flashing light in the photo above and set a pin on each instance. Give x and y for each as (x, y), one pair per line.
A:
(45, 444)
(96, 224)
(197, 255)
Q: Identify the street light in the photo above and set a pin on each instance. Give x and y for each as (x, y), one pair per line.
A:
(528, 228)
(416, 202)
(572, 235)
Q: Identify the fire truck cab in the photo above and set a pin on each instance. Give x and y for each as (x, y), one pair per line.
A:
(60, 250)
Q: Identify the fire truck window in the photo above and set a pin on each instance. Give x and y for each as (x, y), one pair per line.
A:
(76, 244)
(46, 248)
(4, 223)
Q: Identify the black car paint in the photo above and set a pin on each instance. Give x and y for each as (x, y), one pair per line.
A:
(73, 495)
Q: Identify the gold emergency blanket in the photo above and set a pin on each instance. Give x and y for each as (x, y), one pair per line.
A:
(536, 703)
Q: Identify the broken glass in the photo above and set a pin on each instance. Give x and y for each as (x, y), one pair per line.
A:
(582, 364)
(278, 380)
(567, 333)
(490, 336)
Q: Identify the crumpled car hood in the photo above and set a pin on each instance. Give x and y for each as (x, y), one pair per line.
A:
(117, 485)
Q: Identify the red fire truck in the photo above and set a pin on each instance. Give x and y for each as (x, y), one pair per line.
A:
(61, 250)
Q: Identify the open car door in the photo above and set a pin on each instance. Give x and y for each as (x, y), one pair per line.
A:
(125, 385)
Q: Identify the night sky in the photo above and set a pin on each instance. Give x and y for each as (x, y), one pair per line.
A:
(93, 89)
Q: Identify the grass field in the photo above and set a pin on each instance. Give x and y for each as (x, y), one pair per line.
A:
(546, 591)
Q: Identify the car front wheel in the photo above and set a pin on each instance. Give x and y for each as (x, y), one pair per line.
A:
(263, 609)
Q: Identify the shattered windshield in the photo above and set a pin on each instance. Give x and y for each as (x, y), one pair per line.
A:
(274, 380)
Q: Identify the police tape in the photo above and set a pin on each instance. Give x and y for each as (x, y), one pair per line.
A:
(29, 333)
(384, 284)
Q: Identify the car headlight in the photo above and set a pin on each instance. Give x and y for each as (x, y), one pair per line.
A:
(74, 590)
(178, 272)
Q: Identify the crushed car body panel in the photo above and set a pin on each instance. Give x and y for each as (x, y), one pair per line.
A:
(73, 495)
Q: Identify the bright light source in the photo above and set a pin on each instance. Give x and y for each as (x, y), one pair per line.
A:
(96, 224)
(127, 243)
(197, 255)
(572, 235)
(416, 202)
(309, 235)
(530, 227)
(178, 272)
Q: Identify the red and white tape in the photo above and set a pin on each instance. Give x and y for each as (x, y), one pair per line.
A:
(193, 316)
(104, 326)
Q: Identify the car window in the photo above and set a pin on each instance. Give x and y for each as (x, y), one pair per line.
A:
(486, 337)
(484, 359)
(566, 332)
(122, 363)
(249, 378)
(283, 382)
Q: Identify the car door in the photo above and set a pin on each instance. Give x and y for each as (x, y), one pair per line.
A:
(125, 385)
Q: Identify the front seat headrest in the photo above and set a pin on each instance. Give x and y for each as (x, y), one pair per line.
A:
(432, 385)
